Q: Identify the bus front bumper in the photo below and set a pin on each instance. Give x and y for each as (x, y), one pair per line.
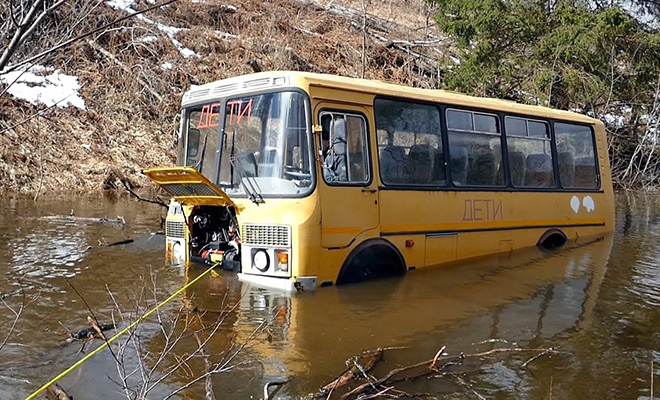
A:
(300, 284)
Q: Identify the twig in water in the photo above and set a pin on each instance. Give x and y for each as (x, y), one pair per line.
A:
(495, 340)
(438, 354)
(468, 386)
(278, 385)
(549, 350)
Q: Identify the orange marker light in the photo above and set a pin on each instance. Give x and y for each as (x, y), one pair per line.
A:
(410, 243)
(283, 258)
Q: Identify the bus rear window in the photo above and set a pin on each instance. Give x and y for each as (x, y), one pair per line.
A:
(576, 156)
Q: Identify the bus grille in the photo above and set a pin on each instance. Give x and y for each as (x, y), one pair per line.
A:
(267, 235)
(189, 189)
(174, 229)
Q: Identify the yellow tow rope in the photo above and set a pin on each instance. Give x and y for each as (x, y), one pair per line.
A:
(112, 339)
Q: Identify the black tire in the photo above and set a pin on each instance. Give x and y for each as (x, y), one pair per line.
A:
(372, 259)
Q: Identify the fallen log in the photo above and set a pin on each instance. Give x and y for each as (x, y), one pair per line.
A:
(55, 392)
(84, 220)
(354, 371)
(119, 243)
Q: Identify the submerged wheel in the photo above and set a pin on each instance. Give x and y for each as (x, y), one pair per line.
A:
(374, 258)
(552, 239)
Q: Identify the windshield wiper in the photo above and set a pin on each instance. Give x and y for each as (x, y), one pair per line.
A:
(251, 188)
(198, 164)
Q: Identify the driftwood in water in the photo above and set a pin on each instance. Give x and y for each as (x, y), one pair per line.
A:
(92, 331)
(85, 220)
(102, 242)
(55, 392)
(355, 370)
(439, 366)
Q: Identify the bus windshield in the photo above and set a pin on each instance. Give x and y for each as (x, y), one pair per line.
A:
(263, 148)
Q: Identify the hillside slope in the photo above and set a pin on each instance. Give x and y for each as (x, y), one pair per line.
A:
(132, 77)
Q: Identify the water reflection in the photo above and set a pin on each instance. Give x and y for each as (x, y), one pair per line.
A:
(49, 254)
(523, 297)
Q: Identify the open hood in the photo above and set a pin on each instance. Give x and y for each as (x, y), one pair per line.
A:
(188, 186)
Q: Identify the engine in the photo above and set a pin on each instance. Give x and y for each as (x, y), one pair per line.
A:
(215, 237)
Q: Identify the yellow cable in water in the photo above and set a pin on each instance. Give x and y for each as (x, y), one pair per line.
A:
(112, 339)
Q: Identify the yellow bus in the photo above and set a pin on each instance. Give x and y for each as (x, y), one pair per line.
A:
(298, 180)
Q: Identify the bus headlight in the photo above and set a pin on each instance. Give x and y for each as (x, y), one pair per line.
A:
(282, 257)
(260, 260)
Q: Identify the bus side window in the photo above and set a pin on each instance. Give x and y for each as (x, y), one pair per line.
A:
(530, 152)
(475, 148)
(409, 143)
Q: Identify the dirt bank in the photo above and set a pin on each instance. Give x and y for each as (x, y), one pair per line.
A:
(132, 78)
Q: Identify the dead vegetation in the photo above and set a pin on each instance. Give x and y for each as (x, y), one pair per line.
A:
(359, 381)
(133, 75)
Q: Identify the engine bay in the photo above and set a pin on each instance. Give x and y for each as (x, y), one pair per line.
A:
(215, 236)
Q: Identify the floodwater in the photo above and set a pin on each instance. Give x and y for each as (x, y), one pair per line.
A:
(595, 304)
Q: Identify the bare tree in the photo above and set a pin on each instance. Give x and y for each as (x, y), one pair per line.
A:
(152, 354)
(24, 18)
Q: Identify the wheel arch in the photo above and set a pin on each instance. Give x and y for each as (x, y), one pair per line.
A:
(552, 239)
(360, 266)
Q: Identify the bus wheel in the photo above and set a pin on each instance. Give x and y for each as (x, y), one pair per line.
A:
(374, 258)
(552, 239)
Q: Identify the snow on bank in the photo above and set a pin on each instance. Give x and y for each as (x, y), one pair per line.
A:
(169, 31)
(44, 85)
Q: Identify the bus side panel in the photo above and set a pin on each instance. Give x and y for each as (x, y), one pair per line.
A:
(605, 173)
(412, 248)
(481, 221)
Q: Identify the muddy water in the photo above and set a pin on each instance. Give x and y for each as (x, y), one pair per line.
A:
(596, 304)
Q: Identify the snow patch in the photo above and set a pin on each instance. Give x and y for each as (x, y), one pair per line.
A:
(148, 39)
(169, 31)
(166, 66)
(120, 4)
(44, 85)
(614, 120)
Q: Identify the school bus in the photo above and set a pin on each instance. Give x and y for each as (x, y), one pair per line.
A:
(298, 180)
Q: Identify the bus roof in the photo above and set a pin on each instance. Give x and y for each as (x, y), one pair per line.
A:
(287, 79)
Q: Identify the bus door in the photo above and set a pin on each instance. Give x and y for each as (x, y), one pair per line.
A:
(348, 192)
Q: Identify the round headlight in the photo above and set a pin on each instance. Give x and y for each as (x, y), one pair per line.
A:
(260, 260)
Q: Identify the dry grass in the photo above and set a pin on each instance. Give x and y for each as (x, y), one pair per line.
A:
(126, 128)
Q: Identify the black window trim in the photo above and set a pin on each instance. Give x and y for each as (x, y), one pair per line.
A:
(308, 127)
(527, 120)
(553, 151)
(368, 145)
(500, 134)
(599, 183)
(507, 187)
(443, 141)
